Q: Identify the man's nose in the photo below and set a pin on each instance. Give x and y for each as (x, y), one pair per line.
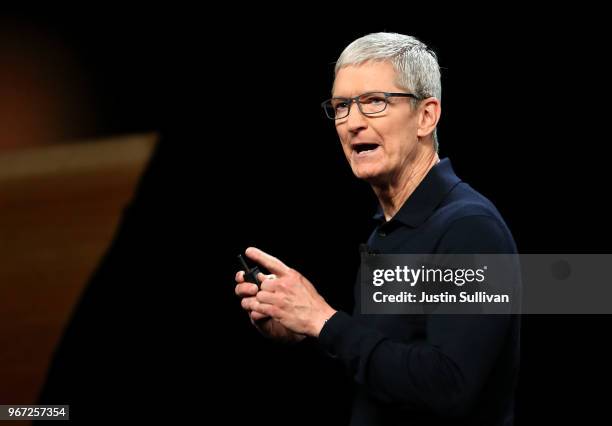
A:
(356, 121)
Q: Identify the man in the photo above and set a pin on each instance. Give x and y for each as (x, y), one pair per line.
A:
(407, 369)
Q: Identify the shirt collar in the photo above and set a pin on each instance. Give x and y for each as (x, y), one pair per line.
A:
(438, 182)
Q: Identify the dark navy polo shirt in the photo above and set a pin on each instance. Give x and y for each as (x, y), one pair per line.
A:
(438, 369)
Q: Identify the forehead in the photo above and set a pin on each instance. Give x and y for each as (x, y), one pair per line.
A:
(354, 80)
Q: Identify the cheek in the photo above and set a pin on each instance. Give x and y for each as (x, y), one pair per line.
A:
(343, 138)
(400, 139)
(340, 131)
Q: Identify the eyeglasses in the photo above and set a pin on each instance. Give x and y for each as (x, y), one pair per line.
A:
(368, 103)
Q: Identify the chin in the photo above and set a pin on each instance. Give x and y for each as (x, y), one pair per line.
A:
(366, 173)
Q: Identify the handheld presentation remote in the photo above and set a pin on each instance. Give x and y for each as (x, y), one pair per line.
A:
(250, 274)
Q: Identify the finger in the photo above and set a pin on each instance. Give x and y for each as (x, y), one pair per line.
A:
(239, 276)
(246, 289)
(269, 262)
(256, 316)
(267, 297)
(263, 308)
(251, 304)
(248, 303)
(269, 285)
(262, 277)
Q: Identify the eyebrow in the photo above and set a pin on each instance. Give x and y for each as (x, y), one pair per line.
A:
(363, 93)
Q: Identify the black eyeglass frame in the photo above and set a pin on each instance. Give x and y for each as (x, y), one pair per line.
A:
(356, 100)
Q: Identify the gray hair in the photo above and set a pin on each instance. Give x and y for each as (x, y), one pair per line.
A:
(415, 64)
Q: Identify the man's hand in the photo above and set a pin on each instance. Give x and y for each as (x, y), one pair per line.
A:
(266, 325)
(289, 299)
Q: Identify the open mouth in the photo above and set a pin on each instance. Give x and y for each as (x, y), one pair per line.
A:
(365, 148)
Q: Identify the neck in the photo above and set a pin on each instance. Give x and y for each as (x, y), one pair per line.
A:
(393, 194)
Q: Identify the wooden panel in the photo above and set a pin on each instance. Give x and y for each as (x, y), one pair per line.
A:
(59, 207)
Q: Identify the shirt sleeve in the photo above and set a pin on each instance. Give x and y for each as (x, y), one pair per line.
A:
(445, 372)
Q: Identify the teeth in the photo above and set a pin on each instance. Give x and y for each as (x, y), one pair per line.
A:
(365, 149)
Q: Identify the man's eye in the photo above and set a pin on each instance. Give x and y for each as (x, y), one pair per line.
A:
(341, 105)
(375, 100)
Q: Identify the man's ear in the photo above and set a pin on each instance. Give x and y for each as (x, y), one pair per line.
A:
(429, 115)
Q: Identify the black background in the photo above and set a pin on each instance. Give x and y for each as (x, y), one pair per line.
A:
(247, 157)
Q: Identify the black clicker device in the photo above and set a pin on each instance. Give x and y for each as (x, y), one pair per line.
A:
(250, 274)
